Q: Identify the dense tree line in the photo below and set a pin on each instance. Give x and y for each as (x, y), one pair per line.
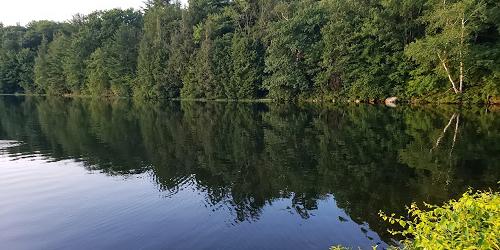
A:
(247, 49)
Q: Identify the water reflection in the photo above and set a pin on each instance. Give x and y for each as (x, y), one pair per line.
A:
(244, 157)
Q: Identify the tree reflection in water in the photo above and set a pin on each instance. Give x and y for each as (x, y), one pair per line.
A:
(244, 156)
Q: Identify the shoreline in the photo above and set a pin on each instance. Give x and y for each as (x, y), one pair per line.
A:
(494, 101)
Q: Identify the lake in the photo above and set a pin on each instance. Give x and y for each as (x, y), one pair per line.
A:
(118, 174)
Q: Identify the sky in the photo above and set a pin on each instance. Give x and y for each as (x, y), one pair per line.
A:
(24, 11)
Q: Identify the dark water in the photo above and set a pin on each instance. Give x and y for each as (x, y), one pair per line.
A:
(95, 174)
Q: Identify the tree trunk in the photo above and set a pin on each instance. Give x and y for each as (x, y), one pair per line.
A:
(449, 74)
(158, 28)
(461, 55)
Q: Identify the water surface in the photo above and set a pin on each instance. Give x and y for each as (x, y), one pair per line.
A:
(95, 174)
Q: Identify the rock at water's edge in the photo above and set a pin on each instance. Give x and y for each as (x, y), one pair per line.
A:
(391, 101)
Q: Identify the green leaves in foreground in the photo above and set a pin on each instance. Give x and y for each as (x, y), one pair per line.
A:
(472, 222)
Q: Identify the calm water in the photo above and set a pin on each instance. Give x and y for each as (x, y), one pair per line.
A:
(94, 174)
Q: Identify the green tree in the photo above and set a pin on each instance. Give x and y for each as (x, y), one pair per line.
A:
(9, 71)
(447, 45)
(121, 59)
(13, 59)
(55, 59)
(293, 54)
(106, 30)
(41, 66)
(98, 80)
(210, 68)
(364, 41)
(247, 66)
(156, 80)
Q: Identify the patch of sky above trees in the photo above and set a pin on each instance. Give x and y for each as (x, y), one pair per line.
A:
(248, 49)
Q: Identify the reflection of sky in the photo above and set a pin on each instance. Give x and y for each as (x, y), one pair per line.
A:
(62, 205)
(4, 144)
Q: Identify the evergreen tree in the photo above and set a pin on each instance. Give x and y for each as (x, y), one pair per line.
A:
(41, 66)
(98, 80)
(363, 54)
(211, 69)
(121, 59)
(294, 52)
(247, 68)
(9, 71)
(26, 60)
(55, 59)
(155, 79)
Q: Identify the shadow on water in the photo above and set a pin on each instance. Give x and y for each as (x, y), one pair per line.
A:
(245, 156)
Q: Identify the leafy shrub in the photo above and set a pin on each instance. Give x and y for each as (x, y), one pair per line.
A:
(472, 222)
(338, 248)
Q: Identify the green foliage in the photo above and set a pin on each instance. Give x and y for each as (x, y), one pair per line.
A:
(247, 69)
(339, 248)
(41, 65)
(294, 50)
(97, 72)
(366, 59)
(9, 72)
(107, 41)
(456, 46)
(283, 50)
(471, 222)
(211, 66)
(345, 248)
(121, 59)
(18, 50)
(50, 75)
(155, 79)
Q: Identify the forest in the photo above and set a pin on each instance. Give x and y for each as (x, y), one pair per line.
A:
(317, 50)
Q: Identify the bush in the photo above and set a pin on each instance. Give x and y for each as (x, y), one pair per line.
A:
(472, 222)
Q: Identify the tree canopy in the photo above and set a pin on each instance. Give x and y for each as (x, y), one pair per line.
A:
(248, 49)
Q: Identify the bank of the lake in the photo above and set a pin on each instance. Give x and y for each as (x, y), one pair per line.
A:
(435, 99)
